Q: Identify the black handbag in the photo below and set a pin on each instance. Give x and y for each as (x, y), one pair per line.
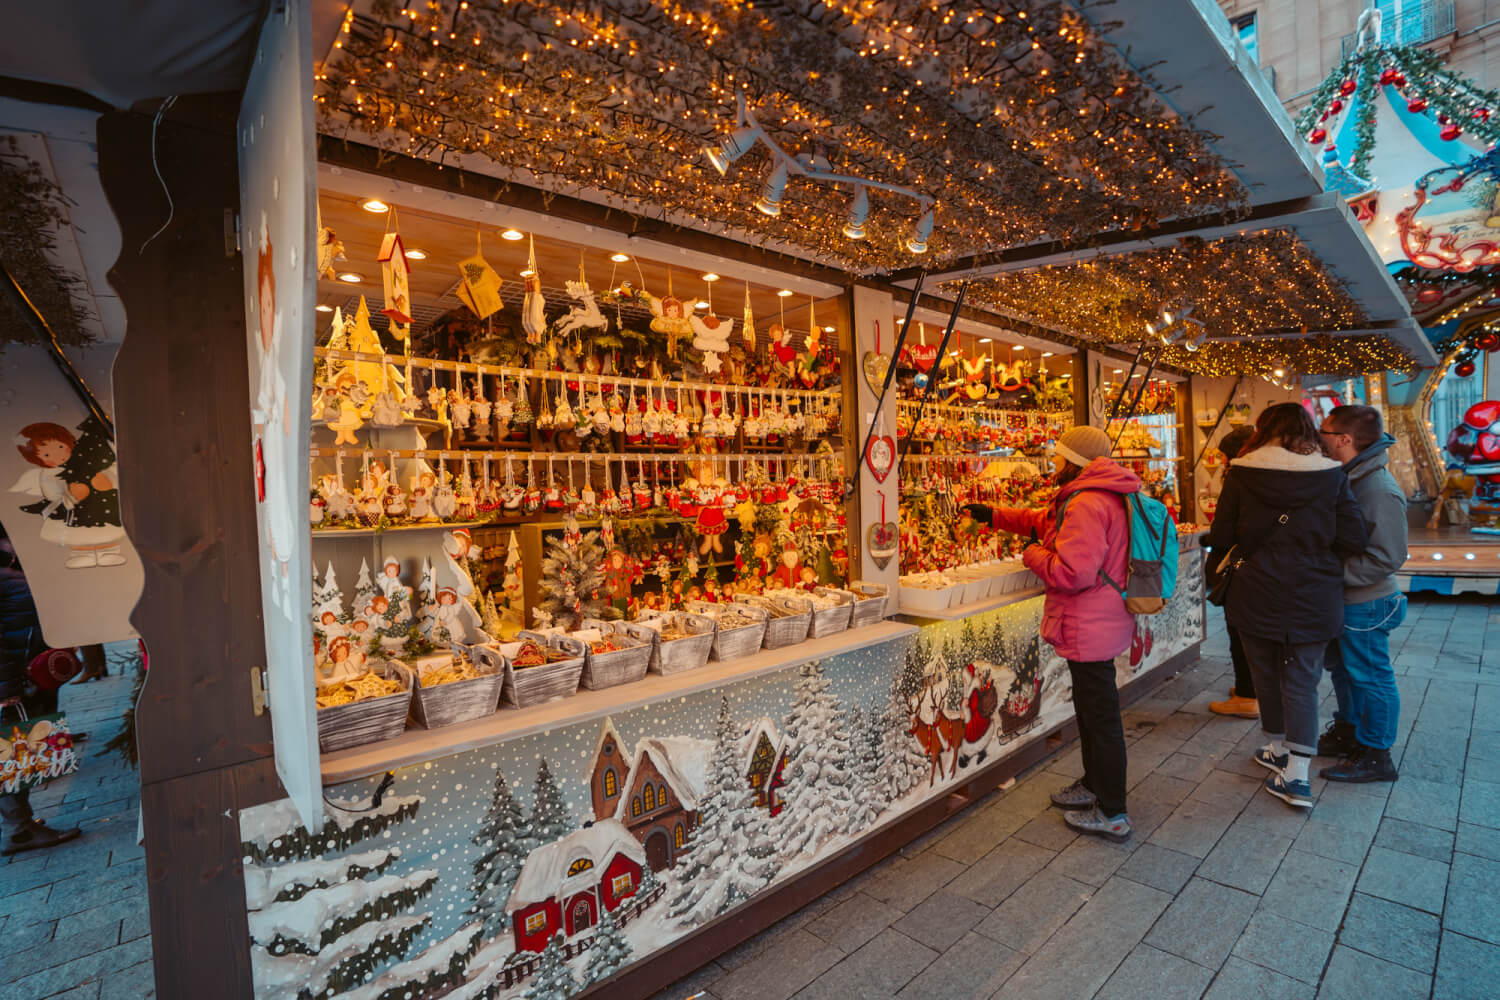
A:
(1219, 576)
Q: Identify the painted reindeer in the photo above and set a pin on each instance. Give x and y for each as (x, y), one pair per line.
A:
(936, 731)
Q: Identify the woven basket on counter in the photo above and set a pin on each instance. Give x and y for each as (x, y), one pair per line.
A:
(460, 701)
(527, 686)
(871, 603)
(619, 666)
(671, 656)
(788, 622)
(735, 643)
(343, 726)
(827, 621)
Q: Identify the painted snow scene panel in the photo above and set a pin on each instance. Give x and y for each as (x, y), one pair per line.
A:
(541, 866)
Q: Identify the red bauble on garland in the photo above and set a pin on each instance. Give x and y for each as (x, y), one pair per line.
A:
(1346, 88)
(1482, 114)
(1387, 76)
(1428, 296)
(1336, 106)
(1416, 105)
(1450, 132)
(1317, 135)
(1489, 340)
(1464, 369)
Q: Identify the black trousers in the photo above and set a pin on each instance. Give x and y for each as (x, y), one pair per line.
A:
(1101, 734)
(1244, 683)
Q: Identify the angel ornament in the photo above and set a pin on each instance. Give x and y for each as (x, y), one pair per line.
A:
(386, 411)
(670, 318)
(711, 336)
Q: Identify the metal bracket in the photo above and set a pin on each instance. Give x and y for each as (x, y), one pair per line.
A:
(259, 697)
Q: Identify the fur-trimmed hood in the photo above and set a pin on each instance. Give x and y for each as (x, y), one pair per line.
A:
(1280, 478)
(1274, 456)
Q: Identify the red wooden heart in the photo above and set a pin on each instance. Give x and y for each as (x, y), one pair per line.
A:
(880, 455)
(923, 356)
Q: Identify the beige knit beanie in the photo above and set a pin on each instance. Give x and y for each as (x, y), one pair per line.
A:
(1081, 445)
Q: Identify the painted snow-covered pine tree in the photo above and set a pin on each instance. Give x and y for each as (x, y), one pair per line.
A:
(364, 591)
(902, 763)
(729, 856)
(552, 980)
(504, 840)
(864, 762)
(427, 600)
(549, 815)
(611, 951)
(818, 794)
(327, 927)
(328, 599)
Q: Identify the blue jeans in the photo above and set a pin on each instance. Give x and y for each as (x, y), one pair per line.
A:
(1363, 680)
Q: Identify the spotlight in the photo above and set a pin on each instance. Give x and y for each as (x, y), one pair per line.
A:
(323, 308)
(1019, 347)
(374, 205)
(984, 340)
(917, 242)
(1279, 372)
(828, 329)
(416, 254)
(701, 304)
(351, 277)
(512, 235)
(1046, 354)
(859, 211)
(528, 273)
(770, 195)
(731, 148)
(710, 276)
(619, 258)
(785, 293)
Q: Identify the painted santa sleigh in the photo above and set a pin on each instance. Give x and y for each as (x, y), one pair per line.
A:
(990, 723)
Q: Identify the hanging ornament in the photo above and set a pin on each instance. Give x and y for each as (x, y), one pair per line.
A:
(583, 316)
(479, 284)
(1489, 340)
(395, 280)
(1387, 76)
(1442, 119)
(880, 452)
(876, 365)
(1481, 114)
(747, 328)
(1464, 369)
(329, 248)
(1346, 88)
(1336, 106)
(711, 335)
(670, 317)
(1416, 105)
(881, 539)
(1400, 80)
(1429, 295)
(534, 305)
(1317, 135)
(1450, 132)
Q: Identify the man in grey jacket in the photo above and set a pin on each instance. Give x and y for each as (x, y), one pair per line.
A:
(1364, 726)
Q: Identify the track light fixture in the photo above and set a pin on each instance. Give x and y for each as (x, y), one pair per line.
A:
(859, 211)
(769, 202)
(921, 232)
(732, 147)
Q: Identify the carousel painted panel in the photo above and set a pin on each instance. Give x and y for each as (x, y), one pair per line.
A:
(540, 866)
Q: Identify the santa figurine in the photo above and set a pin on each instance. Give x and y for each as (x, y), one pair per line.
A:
(789, 573)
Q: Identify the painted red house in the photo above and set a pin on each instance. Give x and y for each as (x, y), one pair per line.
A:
(654, 793)
(764, 757)
(563, 885)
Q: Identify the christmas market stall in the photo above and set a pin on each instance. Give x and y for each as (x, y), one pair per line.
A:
(613, 377)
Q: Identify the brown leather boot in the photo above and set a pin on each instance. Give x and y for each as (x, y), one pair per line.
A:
(1240, 708)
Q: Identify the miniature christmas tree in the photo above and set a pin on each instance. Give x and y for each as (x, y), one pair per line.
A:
(322, 926)
(819, 797)
(492, 624)
(729, 857)
(553, 980)
(328, 598)
(365, 590)
(426, 599)
(511, 585)
(505, 841)
(864, 760)
(549, 815)
(397, 620)
(611, 951)
(572, 581)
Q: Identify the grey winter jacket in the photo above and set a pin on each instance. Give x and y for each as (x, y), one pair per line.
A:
(1372, 573)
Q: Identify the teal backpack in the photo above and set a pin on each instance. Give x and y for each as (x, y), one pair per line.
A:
(1151, 541)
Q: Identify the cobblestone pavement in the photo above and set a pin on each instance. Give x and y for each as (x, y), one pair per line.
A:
(73, 920)
(1380, 892)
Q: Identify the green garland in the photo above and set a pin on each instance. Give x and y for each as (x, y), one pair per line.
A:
(1364, 126)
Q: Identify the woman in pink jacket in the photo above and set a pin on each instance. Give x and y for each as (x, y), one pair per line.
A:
(1073, 546)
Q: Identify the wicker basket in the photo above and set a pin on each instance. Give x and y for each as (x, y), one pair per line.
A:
(620, 666)
(527, 686)
(460, 701)
(827, 621)
(789, 619)
(735, 643)
(368, 721)
(872, 603)
(672, 656)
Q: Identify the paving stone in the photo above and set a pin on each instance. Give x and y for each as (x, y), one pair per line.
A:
(1163, 788)
(695, 982)
(1159, 867)
(767, 939)
(879, 969)
(60, 948)
(1188, 767)
(906, 884)
(1227, 789)
(1194, 827)
(1467, 970)
(1481, 799)
(1240, 980)
(1034, 911)
(1328, 840)
(1484, 747)
(1405, 878)
(941, 919)
(1048, 830)
(852, 922)
(1353, 807)
(1391, 931)
(1478, 840)
(977, 835)
(1427, 802)
(793, 961)
(1245, 858)
(22, 932)
(1270, 814)
(1203, 923)
(972, 969)
(1414, 838)
(87, 991)
(66, 975)
(1000, 872)
(1092, 859)
(1310, 889)
(1473, 904)
(1354, 975)
(1147, 972)
(1082, 955)
(1290, 948)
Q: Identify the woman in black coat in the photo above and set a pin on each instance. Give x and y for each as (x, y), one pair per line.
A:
(1291, 519)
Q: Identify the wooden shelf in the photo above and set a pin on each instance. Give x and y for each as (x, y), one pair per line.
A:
(972, 608)
(396, 529)
(415, 746)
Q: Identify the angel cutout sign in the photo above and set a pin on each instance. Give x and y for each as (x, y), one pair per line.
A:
(670, 317)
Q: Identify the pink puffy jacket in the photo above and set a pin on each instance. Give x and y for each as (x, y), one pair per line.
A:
(1083, 618)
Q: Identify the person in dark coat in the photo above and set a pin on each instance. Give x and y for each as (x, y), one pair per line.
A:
(1291, 518)
(1241, 700)
(20, 641)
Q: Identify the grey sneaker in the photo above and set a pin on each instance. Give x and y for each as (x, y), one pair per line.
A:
(1075, 796)
(1270, 761)
(1293, 793)
(1091, 820)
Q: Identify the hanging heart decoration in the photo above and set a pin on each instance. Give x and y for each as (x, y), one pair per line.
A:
(880, 455)
(923, 356)
(876, 365)
(880, 539)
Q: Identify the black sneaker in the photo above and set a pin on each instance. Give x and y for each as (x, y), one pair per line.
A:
(34, 836)
(1364, 765)
(1337, 740)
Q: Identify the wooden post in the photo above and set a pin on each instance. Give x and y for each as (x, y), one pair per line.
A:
(187, 498)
